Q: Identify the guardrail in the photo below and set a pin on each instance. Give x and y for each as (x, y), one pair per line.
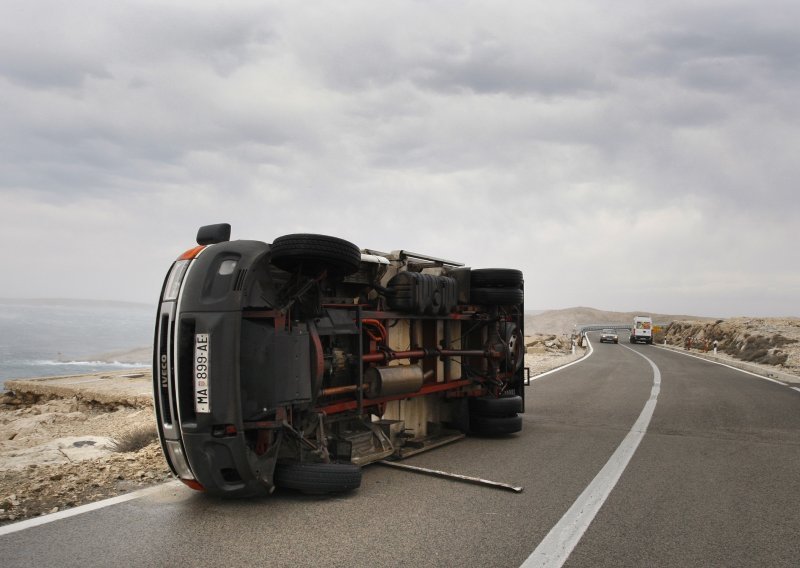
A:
(599, 327)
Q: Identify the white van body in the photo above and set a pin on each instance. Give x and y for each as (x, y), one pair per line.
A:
(642, 330)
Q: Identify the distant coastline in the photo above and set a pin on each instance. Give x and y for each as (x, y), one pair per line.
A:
(42, 337)
(142, 356)
(80, 302)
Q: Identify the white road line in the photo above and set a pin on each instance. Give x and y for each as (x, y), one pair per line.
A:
(44, 519)
(559, 543)
(724, 365)
(795, 388)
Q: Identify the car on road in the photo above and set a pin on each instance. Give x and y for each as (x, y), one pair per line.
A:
(294, 363)
(642, 330)
(609, 336)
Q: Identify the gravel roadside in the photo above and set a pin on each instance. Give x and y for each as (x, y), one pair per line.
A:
(61, 453)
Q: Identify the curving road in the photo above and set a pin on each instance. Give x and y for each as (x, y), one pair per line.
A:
(636, 456)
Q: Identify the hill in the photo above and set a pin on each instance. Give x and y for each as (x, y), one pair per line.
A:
(563, 321)
(773, 342)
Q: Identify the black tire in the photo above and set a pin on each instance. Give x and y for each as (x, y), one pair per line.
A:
(311, 254)
(494, 425)
(496, 278)
(318, 478)
(496, 296)
(489, 406)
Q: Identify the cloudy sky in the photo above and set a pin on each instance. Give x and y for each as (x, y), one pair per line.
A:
(625, 155)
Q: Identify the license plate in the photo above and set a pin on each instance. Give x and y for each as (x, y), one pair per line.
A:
(202, 402)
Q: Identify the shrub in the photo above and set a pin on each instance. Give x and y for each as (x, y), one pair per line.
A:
(753, 354)
(134, 440)
(776, 358)
(779, 341)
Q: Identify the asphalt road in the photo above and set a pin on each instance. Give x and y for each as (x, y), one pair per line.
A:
(711, 479)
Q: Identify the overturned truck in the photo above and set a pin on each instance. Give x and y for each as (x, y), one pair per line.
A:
(293, 364)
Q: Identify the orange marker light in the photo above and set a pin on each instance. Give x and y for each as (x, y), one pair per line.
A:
(191, 253)
(194, 484)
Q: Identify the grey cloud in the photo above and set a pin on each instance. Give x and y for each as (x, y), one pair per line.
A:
(450, 49)
(490, 67)
(722, 46)
(52, 44)
(511, 135)
(43, 70)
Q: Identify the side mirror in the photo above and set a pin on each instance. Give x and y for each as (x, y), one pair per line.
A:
(212, 234)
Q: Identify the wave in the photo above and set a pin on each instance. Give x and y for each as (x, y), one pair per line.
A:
(40, 368)
(136, 356)
(120, 364)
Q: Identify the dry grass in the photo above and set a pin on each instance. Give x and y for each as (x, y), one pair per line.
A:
(759, 349)
(735, 339)
(136, 439)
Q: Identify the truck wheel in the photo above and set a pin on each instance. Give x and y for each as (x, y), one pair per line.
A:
(494, 425)
(496, 278)
(496, 296)
(311, 254)
(489, 406)
(515, 345)
(318, 478)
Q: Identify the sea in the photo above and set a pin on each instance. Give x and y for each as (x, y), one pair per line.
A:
(45, 338)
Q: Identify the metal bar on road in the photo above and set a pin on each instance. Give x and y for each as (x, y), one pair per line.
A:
(456, 476)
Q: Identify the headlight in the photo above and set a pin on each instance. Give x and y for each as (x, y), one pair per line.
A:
(178, 460)
(175, 279)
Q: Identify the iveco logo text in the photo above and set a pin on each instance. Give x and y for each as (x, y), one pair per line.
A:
(164, 380)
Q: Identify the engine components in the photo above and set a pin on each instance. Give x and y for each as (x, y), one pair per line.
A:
(387, 381)
(421, 293)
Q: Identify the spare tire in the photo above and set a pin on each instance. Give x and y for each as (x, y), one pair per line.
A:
(318, 478)
(496, 278)
(515, 346)
(310, 255)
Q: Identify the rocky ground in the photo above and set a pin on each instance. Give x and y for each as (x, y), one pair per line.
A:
(57, 454)
(544, 352)
(770, 342)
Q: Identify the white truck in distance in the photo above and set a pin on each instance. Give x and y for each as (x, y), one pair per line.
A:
(642, 330)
